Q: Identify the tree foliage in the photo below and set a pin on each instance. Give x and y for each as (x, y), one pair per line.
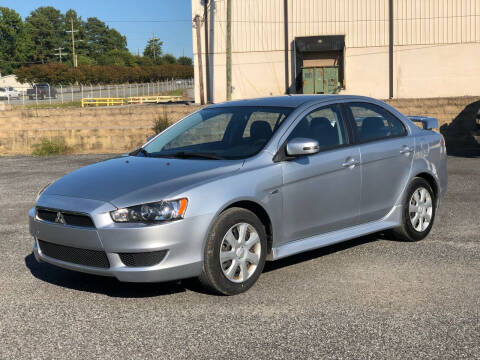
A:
(15, 43)
(153, 50)
(185, 60)
(24, 45)
(56, 74)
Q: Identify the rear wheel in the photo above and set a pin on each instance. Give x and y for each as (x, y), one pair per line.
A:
(418, 211)
(235, 252)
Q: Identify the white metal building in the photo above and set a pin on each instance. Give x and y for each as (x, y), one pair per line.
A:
(436, 47)
(10, 81)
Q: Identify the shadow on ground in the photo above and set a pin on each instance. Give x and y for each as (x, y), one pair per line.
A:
(313, 254)
(114, 288)
(98, 284)
(462, 135)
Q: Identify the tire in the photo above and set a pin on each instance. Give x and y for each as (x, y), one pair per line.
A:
(412, 228)
(236, 274)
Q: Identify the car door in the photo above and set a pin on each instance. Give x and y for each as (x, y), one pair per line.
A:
(386, 155)
(321, 192)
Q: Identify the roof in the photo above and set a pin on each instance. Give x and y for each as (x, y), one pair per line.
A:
(292, 101)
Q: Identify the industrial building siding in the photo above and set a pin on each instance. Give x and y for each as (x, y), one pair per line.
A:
(436, 45)
(257, 25)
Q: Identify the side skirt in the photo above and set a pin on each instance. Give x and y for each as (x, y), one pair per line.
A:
(391, 220)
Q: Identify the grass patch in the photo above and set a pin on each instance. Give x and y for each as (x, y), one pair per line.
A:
(178, 92)
(47, 147)
(161, 122)
(41, 105)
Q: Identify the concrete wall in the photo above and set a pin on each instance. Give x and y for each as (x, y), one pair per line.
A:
(437, 45)
(121, 129)
(92, 130)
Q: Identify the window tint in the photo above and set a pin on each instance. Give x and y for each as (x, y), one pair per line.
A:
(272, 119)
(324, 125)
(374, 122)
(207, 131)
(221, 132)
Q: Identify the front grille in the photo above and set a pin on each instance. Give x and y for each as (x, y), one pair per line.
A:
(142, 259)
(71, 219)
(78, 256)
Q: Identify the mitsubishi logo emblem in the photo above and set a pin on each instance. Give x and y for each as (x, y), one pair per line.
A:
(60, 219)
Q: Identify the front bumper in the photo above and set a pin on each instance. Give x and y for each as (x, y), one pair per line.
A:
(182, 240)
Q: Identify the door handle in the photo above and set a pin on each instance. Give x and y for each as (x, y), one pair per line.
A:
(405, 150)
(351, 163)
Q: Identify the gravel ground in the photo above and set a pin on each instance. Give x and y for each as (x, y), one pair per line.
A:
(367, 298)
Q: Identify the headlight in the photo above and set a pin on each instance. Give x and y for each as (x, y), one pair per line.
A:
(42, 190)
(151, 213)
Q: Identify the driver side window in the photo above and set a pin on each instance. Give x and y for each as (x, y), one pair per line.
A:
(324, 125)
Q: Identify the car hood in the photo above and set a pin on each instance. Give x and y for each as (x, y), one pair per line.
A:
(128, 181)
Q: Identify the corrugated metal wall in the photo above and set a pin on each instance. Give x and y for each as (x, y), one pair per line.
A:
(437, 45)
(257, 25)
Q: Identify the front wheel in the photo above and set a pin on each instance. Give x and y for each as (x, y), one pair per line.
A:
(418, 211)
(235, 252)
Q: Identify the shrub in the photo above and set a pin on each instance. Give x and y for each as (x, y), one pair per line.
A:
(47, 147)
(161, 122)
(56, 74)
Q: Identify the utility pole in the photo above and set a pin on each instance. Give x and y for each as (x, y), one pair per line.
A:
(59, 54)
(390, 49)
(229, 50)
(197, 21)
(75, 63)
(154, 45)
(286, 42)
(207, 52)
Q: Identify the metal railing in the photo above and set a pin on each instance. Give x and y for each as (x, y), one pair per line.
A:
(61, 94)
(86, 102)
(102, 101)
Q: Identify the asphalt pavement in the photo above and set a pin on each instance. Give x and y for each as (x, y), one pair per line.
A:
(370, 297)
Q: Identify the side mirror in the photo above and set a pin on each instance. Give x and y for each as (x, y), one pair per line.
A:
(302, 146)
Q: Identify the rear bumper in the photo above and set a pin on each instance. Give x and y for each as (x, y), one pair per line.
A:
(182, 240)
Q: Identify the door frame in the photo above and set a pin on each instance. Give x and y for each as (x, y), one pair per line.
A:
(280, 154)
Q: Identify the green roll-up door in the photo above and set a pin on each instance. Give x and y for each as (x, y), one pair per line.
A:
(308, 80)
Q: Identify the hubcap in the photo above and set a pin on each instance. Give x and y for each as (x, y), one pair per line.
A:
(240, 252)
(420, 209)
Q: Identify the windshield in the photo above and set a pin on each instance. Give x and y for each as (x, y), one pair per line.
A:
(219, 133)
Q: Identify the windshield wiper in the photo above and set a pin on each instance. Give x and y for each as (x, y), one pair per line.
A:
(194, 154)
(140, 151)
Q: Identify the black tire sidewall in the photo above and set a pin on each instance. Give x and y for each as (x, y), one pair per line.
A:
(413, 234)
(212, 271)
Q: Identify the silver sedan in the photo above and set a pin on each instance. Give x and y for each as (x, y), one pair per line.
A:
(235, 184)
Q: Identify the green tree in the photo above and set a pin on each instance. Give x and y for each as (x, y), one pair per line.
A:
(184, 60)
(15, 43)
(46, 26)
(169, 59)
(100, 39)
(117, 57)
(153, 50)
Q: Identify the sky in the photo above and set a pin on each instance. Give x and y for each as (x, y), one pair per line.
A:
(138, 20)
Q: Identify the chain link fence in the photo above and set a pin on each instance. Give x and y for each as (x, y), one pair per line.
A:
(64, 94)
